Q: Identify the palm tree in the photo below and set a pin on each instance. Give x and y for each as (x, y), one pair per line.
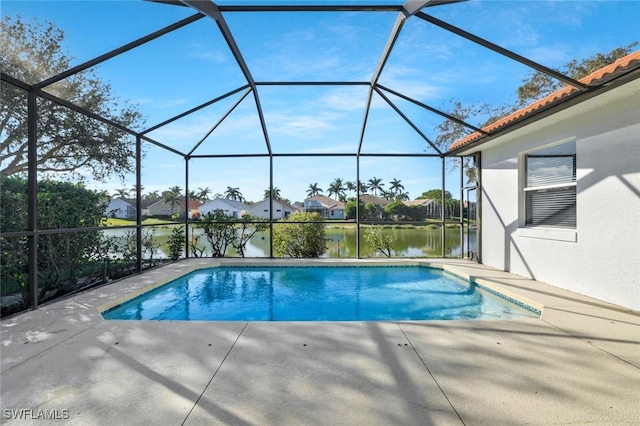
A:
(336, 188)
(275, 193)
(171, 198)
(193, 195)
(402, 196)
(175, 189)
(121, 193)
(134, 190)
(313, 190)
(375, 185)
(153, 195)
(363, 187)
(387, 195)
(350, 186)
(104, 196)
(396, 186)
(203, 194)
(233, 194)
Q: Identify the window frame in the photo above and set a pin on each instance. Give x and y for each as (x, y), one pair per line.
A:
(545, 230)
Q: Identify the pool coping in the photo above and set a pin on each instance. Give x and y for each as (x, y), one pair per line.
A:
(485, 284)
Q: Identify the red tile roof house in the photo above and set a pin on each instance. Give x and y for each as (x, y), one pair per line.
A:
(559, 197)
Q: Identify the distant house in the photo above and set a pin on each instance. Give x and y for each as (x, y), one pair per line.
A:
(162, 208)
(471, 208)
(559, 192)
(121, 208)
(327, 207)
(432, 206)
(125, 208)
(230, 208)
(372, 199)
(281, 209)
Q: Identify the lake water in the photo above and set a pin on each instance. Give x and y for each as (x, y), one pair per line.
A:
(408, 242)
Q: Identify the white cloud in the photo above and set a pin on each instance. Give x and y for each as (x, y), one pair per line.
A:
(299, 125)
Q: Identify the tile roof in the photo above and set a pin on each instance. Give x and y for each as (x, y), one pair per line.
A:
(328, 202)
(372, 199)
(238, 205)
(594, 78)
(145, 202)
(422, 202)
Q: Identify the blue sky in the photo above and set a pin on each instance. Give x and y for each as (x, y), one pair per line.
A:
(193, 65)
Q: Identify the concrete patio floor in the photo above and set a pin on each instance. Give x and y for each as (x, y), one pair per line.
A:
(578, 364)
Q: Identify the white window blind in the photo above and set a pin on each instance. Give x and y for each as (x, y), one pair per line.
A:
(550, 186)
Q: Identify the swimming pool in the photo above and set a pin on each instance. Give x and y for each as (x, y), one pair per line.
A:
(336, 293)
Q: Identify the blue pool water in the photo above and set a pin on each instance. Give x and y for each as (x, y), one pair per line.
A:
(317, 294)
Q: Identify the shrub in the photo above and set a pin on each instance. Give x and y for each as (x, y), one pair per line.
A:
(176, 243)
(379, 240)
(300, 240)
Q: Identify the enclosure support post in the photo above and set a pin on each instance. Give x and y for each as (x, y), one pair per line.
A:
(442, 207)
(358, 206)
(478, 161)
(186, 208)
(271, 206)
(461, 207)
(32, 188)
(138, 205)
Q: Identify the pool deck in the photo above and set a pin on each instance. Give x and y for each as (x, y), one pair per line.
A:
(579, 363)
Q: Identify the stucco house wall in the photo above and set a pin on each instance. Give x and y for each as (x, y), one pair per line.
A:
(230, 208)
(120, 209)
(160, 208)
(280, 210)
(601, 257)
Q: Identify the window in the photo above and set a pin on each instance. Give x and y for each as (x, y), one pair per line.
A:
(550, 186)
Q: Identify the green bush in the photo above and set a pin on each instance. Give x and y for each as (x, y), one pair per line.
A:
(300, 240)
(379, 240)
(62, 257)
(176, 243)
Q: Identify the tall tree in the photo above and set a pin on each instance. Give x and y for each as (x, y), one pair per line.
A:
(435, 194)
(362, 187)
(134, 190)
(175, 189)
(67, 141)
(336, 188)
(275, 193)
(350, 186)
(537, 85)
(233, 194)
(450, 204)
(121, 193)
(396, 186)
(313, 190)
(153, 195)
(402, 196)
(172, 198)
(203, 194)
(375, 184)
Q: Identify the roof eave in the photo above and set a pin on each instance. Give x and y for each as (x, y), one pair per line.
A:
(561, 104)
